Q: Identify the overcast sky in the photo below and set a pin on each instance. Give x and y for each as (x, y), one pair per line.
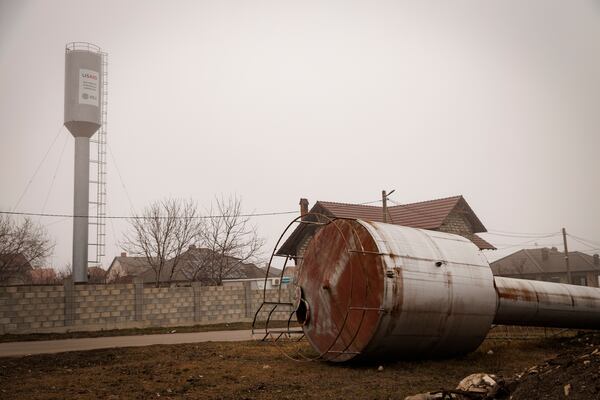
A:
(331, 100)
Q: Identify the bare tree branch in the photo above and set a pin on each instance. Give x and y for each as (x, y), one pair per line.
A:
(23, 244)
(161, 234)
(226, 239)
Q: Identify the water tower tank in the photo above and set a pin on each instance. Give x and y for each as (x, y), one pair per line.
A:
(83, 66)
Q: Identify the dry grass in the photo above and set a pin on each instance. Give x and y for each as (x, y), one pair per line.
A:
(246, 370)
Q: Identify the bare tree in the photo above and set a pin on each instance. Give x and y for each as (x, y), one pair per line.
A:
(23, 244)
(226, 240)
(161, 233)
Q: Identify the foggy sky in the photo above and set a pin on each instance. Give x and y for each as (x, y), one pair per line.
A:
(331, 100)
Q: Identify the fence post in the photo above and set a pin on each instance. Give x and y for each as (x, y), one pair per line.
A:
(197, 291)
(138, 287)
(69, 292)
(248, 299)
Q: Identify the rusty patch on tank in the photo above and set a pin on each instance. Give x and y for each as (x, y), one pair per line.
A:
(343, 281)
(520, 294)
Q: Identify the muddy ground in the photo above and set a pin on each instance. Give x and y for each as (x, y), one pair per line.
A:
(249, 370)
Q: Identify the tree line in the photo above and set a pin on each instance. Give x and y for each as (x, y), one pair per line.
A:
(161, 235)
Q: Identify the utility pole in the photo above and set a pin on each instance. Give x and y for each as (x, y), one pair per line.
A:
(564, 232)
(384, 201)
(384, 196)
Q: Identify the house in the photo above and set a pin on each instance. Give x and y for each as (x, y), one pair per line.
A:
(451, 214)
(195, 264)
(42, 276)
(124, 268)
(548, 264)
(207, 266)
(96, 275)
(15, 269)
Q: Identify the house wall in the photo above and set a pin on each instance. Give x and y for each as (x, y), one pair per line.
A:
(69, 307)
(456, 223)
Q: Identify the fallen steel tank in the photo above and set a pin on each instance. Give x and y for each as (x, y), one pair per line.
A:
(368, 289)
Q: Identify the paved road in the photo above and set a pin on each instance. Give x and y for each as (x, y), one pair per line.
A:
(13, 349)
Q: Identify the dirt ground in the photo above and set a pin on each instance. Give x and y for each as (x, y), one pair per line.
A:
(248, 370)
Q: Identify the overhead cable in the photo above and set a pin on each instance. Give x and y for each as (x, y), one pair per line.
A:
(265, 214)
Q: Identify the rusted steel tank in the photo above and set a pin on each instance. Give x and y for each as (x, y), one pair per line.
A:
(368, 289)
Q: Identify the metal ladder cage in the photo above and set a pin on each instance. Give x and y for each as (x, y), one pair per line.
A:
(275, 334)
(97, 222)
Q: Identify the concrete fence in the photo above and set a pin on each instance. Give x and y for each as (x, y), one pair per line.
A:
(69, 307)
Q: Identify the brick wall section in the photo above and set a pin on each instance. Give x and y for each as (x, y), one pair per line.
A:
(168, 306)
(31, 308)
(68, 307)
(103, 304)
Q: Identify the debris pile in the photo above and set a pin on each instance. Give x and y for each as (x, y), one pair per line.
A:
(572, 374)
(475, 386)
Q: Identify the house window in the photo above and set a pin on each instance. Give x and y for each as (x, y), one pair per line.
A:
(579, 279)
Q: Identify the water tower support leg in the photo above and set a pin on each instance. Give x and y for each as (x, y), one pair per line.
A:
(81, 209)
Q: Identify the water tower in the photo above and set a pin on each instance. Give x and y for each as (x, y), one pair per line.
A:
(84, 115)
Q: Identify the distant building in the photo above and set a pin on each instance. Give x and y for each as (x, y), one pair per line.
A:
(97, 275)
(548, 264)
(15, 269)
(198, 264)
(451, 214)
(125, 268)
(41, 276)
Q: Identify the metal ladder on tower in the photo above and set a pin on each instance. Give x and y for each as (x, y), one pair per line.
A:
(97, 220)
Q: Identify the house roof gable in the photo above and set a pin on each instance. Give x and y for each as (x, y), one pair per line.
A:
(429, 214)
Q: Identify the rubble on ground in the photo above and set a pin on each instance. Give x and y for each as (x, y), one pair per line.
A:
(572, 374)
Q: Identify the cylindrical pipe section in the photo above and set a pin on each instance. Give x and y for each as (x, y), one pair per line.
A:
(546, 304)
(81, 208)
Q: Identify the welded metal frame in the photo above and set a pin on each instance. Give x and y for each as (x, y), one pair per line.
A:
(274, 335)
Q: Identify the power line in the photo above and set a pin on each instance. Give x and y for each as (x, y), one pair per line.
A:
(583, 242)
(55, 173)
(265, 214)
(589, 242)
(120, 177)
(527, 242)
(37, 168)
(519, 233)
(523, 236)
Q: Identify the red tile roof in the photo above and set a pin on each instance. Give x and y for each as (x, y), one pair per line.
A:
(429, 214)
(425, 215)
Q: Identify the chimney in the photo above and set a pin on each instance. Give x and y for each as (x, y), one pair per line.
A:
(303, 207)
(123, 254)
(596, 259)
(545, 254)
